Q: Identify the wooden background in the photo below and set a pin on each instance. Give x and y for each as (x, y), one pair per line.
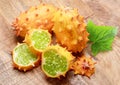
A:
(102, 12)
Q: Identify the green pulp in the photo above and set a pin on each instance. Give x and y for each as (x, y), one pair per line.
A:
(40, 39)
(23, 55)
(54, 63)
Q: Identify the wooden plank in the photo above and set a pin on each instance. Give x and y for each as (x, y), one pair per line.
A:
(100, 11)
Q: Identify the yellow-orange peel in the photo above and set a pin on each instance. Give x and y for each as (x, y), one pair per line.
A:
(84, 66)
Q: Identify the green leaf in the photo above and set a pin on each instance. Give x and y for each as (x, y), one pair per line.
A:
(101, 37)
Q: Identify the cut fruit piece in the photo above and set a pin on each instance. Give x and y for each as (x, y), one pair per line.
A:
(56, 61)
(84, 66)
(38, 40)
(23, 58)
(36, 17)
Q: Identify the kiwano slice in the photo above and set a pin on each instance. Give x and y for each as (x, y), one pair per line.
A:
(23, 58)
(84, 66)
(56, 61)
(38, 40)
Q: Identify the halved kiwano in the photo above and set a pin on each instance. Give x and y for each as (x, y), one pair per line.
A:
(56, 61)
(23, 58)
(38, 40)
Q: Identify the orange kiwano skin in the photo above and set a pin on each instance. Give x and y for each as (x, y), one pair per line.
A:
(27, 68)
(84, 66)
(70, 30)
(36, 17)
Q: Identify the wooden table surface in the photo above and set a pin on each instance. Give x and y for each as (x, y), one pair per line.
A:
(102, 12)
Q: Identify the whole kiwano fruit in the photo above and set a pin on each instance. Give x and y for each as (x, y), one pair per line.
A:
(70, 30)
(35, 17)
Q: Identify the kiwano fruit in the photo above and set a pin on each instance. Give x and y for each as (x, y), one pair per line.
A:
(23, 58)
(35, 17)
(84, 66)
(56, 61)
(38, 40)
(70, 30)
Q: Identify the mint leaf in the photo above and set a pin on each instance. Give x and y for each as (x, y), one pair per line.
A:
(101, 37)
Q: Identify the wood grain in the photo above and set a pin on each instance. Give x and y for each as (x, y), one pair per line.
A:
(102, 12)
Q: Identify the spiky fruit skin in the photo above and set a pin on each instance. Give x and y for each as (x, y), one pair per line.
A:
(35, 17)
(61, 51)
(30, 42)
(22, 67)
(84, 66)
(27, 68)
(70, 30)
